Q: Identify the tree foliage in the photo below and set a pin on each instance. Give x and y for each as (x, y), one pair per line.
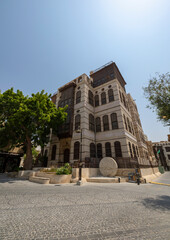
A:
(26, 121)
(158, 94)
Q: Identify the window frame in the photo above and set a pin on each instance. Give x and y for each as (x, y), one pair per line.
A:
(77, 121)
(91, 100)
(118, 149)
(78, 97)
(105, 123)
(124, 118)
(111, 95)
(76, 150)
(114, 121)
(91, 123)
(103, 98)
(108, 150)
(99, 151)
(128, 123)
(98, 124)
(130, 149)
(96, 99)
(92, 150)
(134, 151)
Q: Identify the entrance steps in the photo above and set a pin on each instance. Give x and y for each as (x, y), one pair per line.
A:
(41, 180)
(107, 179)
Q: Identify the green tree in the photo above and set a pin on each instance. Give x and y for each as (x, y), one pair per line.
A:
(158, 94)
(35, 154)
(26, 121)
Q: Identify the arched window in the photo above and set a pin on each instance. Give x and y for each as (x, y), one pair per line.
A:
(129, 127)
(130, 149)
(127, 105)
(120, 94)
(114, 121)
(98, 124)
(91, 98)
(78, 97)
(79, 79)
(118, 150)
(53, 152)
(108, 149)
(103, 98)
(99, 150)
(91, 122)
(110, 94)
(124, 101)
(105, 123)
(132, 128)
(137, 151)
(134, 150)
(76, 150)
(96, 100)
(77, 121)
(125, 122)
(92, 150)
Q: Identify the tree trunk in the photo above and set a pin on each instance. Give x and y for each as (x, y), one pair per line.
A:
(42, 151)
(28, 160)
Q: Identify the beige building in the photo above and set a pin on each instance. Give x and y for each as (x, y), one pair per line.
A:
(103, 120)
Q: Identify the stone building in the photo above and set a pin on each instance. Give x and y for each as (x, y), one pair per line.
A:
(10, 160)
(162, 153)
(103, 120)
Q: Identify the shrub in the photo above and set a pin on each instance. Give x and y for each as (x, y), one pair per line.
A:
(50, 170)
(65, 170)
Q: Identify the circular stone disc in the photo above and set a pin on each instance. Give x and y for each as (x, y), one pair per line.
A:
(108, 167)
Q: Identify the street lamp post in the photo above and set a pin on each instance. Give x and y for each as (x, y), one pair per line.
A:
(80, 160)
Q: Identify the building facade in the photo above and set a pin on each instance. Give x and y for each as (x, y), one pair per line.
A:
(102, 121)
(162, 153)
(10, 160)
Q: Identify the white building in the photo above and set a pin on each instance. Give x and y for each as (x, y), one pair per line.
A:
(102, 117)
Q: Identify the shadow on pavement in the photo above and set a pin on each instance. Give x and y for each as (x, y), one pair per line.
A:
(5, 179)
(161, 203)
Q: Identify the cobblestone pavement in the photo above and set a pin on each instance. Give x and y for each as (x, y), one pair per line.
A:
(122, 211)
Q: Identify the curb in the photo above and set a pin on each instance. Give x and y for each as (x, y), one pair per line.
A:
(164, 184)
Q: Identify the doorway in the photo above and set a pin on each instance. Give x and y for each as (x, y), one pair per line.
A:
(66, 155)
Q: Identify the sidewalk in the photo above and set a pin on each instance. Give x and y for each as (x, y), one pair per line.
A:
(164, 179)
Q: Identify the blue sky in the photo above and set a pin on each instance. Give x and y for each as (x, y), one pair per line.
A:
(46, 43)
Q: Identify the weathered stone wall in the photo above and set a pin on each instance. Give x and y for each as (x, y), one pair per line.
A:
(86, 172)
(150, 173)
(125, 171)
(54, 179)
(147, 173)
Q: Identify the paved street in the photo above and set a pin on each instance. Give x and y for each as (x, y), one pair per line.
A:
(123, 211)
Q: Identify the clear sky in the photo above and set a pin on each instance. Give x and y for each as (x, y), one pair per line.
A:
(47, 43)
